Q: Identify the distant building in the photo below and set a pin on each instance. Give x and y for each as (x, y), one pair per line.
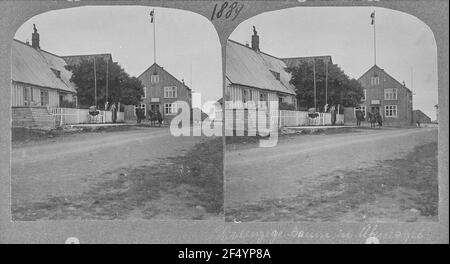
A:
(161, 91)
(253, 75)
(419, 116)
(385, 94)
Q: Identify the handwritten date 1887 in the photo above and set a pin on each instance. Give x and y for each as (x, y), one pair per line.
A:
(227, 10)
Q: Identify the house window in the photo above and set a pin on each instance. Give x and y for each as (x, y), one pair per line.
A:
(363, 110)
(246, 95)
(390, 94)
(263, 98)
(375, 80)
(364, 95)
(143, 105)
(276, 74)
(390, 111)
(56, 72)
(170, 92)
(44, 98)
(154, 78)
(170, 109)
(145, 92)
(26, 95)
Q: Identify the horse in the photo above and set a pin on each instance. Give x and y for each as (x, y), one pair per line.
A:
(359, 117)
(154, 117)
(379, 119)
(372, 119)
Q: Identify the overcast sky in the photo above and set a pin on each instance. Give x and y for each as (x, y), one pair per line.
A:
(184, 41)
(345, 33)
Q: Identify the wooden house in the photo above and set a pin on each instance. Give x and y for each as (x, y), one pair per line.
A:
(39, 80)
(383, 93)
(252, 75)
(161, 91)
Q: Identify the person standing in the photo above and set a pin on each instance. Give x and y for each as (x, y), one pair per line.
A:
(358, 117)
(113, 112)
(159, 116)
(378, 118)
(138, 114)
(333, 115)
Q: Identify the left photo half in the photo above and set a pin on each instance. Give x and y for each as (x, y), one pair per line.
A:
(116, 115)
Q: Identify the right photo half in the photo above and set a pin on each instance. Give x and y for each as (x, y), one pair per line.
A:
(331, 116)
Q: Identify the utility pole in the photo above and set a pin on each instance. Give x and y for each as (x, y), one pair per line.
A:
(326, 82)
(107, 77)
(95, 84)
(314, 79)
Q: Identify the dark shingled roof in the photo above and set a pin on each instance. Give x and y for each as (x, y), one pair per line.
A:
(297, 61)
(76, 59)
(37, 67)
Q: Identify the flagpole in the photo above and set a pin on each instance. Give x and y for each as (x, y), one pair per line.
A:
(107, 77)
(95, 84)
(154, 37)
(326, 83)
(374, 41)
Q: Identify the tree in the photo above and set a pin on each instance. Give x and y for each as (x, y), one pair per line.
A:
(341, 89)
(121, 87)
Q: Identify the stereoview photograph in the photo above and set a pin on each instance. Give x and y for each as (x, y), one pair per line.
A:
(99, 97)
(331, 116)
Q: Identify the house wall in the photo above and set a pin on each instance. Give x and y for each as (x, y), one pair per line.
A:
(376, 92)
(18, 99)
(234, 93)
(155, 91)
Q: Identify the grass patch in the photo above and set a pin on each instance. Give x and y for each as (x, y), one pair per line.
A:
(183, 187)
(411, 182)
(23, 135)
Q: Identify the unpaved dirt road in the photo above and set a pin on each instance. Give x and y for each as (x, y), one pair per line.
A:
(70, 165)
(298, 164)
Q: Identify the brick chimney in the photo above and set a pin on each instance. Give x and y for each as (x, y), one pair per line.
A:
(35, 38)
(255, 40)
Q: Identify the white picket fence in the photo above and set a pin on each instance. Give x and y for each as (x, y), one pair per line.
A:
(301, 118)
(66, 116)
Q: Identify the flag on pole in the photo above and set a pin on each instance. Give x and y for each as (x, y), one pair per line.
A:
(373, 17)
(152, 16)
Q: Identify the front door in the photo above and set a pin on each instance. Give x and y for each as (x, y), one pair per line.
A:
(375, 109)
(154, 107)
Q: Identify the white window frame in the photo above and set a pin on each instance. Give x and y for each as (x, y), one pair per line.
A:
(44, 91)
(145, 109)
(362, 108)
(27, 95)
(170, 108)
(154, 78)
(244, 95)
(390, 94)
(364, 95)
(265, 102)
(390, 111)
(375, 80)
(170, 93)
(145, 93)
